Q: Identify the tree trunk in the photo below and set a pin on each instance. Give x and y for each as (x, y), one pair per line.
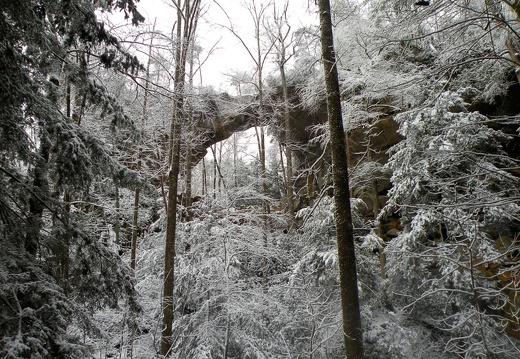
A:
(40, 185)
(117, 225)
(288, 143)
(65, 260)
(169, 250)
(352, 331)
(261, 149)
(189, 161)
(213, 149)
(204, 178)
(282, 164)
(135, 220)
(217, 170)
(220, 177)
(235, 160)
(187, 17)
(173, 182)
(281, 35)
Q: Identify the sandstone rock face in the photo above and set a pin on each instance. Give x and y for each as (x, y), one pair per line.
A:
(216, 123)
(222, 115)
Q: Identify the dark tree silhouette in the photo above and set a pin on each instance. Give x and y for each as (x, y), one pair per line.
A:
(352, 332)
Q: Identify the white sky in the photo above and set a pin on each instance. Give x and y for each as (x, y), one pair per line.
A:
(229, 54)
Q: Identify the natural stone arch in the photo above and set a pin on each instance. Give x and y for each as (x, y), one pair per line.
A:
(220, 116)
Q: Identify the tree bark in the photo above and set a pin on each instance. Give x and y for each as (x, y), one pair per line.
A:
(189, 161)
(204, 178)
(169, 250)
(288, 141)
(40, 183)
(173, 182)
(135, 220)
(213, 150)
(235, 160)
(117, 225)
(352, 331)
(187, 17)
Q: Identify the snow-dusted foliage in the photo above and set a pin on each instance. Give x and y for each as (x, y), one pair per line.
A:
(226, 287)
(54, 271)
(76, 140)
(387, 334)
(456, 202)
(231, 294)
(238, 294)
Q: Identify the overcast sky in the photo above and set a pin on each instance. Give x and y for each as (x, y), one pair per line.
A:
(229, 54)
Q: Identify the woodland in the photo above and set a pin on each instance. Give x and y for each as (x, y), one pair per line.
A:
(356, 193)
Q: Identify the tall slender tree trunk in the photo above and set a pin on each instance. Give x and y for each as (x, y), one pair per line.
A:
(204, 179)
(282, 165)
(281, 36)
(352, 331)
(220, 177)
(214, 149)
(117, 225)
(288, 143)
(135, 219)
(173, 182)
(217, 171)
(40, 185)
(189, 160)
(65, 260)
(235, 160)
(169, 250)
(187, 16)
(261, 151)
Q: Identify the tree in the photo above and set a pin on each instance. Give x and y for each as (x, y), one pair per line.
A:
(352, 332)
(259, 54)
(459, 211)
(133, 256)
(281, 33)
(52, 267)
(188, 13)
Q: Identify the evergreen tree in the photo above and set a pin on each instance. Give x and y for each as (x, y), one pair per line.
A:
(54, 272)
(452, 264)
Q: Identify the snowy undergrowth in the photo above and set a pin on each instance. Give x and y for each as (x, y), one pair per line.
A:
(228, 273)
(245, 292)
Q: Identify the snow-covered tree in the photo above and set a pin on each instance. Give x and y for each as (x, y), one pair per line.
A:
(54, 270)
(458, 204)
